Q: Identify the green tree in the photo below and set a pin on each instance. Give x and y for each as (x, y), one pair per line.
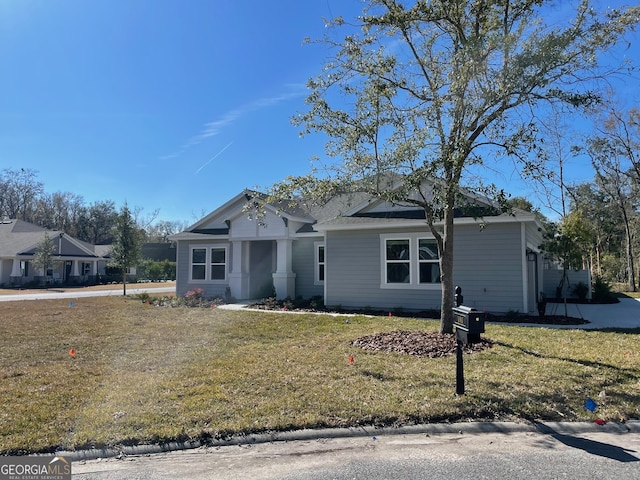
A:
(96, 222)
(43, 257)
(568, 242)
(127, 244)
(419, 100)
(605, 221)
(615, 181)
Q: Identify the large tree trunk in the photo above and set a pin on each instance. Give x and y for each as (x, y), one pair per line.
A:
(630, 262)
(446, 271)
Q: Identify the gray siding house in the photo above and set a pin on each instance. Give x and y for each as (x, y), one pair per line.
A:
(74, 261)
(357, 252)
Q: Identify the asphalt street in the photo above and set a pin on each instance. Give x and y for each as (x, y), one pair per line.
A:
(572, 451)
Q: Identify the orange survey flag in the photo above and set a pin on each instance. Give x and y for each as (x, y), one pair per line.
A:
(72, 352)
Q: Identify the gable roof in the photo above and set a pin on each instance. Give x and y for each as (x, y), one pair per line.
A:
(20, 238)
(357, 209)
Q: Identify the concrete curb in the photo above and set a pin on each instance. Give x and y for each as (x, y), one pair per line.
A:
(462, 428)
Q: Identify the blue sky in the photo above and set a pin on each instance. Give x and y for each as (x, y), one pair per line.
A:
(175, 105)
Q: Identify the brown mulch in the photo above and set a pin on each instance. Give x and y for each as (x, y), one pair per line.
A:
(420, 344)
(514, 318)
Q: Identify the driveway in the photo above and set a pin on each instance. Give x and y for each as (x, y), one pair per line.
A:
(625, 314)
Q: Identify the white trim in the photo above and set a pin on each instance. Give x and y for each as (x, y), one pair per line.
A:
(186, 236)
(414, 262)
(208, 264)
(379, 223)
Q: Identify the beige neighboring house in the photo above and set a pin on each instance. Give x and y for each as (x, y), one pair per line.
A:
(75, 262)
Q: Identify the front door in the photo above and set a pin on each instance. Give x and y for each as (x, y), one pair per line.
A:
(67, 270)
(261, 261)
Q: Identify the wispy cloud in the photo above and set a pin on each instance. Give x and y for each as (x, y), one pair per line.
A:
(213, 158)
(215, 127)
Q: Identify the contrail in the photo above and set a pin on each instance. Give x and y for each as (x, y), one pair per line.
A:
(213, 158)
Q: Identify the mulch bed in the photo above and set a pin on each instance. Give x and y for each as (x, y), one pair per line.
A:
(419, 344)
(425, 344)
(285, 305)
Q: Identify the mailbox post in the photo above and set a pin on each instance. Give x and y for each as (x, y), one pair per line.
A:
(469, 325)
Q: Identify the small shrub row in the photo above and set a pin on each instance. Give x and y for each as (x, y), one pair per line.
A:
(193, 298)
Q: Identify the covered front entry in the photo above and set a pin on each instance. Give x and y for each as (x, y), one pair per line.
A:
(262, 265)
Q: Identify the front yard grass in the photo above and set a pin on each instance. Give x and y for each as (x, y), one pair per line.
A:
(144, 374)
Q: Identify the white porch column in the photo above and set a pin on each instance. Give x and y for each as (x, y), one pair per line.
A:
(239, 275)
(15, 269)
(94, 267)
(284, 280)
(74, 268)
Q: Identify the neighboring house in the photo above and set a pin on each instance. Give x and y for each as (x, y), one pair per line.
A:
(158, 251)
(74, 261)
(360, 252)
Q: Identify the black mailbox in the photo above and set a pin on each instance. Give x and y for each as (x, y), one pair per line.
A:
(468, 319)
(469, 324)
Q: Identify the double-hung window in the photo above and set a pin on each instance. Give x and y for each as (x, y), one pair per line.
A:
(218, 263)
(398, 260)
(429, 264)
(319, 263)
(208, 263)
(409, 261)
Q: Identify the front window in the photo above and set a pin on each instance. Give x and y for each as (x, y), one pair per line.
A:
(209, 263)
(409, 261)
(320, 264)
(429, 263)
(218, 263)
(198, 263)
(398, 261)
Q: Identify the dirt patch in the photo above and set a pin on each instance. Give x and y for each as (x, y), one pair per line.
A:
(419, 344)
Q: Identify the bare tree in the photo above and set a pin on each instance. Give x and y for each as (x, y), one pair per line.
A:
(19, 191)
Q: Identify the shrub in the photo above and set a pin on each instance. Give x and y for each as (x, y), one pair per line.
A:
(194, 297)
(316, 303)
(602, 292)
(144, 297)
(581, 290)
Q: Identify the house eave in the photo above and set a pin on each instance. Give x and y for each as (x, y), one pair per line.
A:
(418, 223)
(178, 237)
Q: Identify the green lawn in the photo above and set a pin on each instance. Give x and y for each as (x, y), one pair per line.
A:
(147, 374)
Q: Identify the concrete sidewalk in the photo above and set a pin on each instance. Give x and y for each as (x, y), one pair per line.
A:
(134, 289)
